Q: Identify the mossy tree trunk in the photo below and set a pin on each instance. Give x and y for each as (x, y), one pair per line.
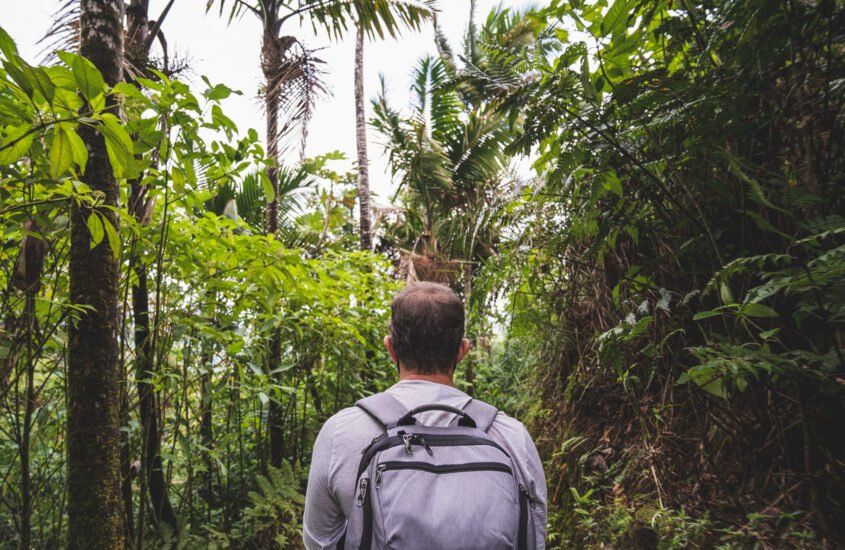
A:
(93, 416)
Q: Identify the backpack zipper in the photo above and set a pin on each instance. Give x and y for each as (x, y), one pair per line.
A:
(362, 491)
(441, 468)
(524, 502)
(409, 440)
(379, 470)
(430, 440)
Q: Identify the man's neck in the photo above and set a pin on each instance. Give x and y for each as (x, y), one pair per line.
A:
(438, 377)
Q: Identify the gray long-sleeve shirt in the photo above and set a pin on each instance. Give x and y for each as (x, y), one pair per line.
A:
(337, 451)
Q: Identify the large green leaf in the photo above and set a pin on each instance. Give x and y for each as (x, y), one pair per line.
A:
(7, 45)
(87, 76)
(16, 143)
(118, 145)
(61, 152)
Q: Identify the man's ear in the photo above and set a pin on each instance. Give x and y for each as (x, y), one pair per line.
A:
(388, 345)
(466, 345)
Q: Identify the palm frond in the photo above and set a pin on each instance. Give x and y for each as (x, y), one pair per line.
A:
(378, 18)
(298, 79)
(63, 33)
(251, 200)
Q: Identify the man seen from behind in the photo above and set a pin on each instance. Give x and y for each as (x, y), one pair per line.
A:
(426, 341)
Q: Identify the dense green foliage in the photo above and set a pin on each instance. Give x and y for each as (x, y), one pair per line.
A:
(219, 290)
(661, 301)
(679, 278)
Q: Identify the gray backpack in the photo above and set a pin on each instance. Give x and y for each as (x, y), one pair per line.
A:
(436, 487)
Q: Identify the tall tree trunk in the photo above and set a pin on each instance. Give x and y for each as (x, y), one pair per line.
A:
(272, 55)
(361, 142)
(93, 411)
(468, 367)
(206, 416)
(151, 466)
(29, 407)
(127, 472)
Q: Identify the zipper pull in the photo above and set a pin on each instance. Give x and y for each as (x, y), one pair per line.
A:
(425, 445)
(373, 442)
(407, 440)
(379, 470)
(527, 496)
(362, 491)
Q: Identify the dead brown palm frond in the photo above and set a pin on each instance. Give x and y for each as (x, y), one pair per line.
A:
(298, 79)
(63, 33)
(432, 267)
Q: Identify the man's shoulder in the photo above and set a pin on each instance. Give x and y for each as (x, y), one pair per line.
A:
(350, 428)
(349, 414)
(513, 434)
(505, 422)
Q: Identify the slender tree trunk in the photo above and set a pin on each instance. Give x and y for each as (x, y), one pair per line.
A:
(272, 54)
(29, 407)
(468, 372)
(93, 411)
(361, 141)
(126, 470)
(151, 466)
(206, 415)
(275, 412)
(272, 57)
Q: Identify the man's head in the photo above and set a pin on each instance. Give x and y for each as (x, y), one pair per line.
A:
(427, 328)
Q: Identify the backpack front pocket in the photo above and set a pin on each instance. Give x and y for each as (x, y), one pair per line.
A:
(425, 506)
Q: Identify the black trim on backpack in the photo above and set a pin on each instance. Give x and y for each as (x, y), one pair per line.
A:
(433, 440)
(367, 535)
(409, 420)
(445, 468)
(524, 501)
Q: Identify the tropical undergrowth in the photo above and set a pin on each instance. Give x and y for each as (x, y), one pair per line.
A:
(677, 285)
(194, 192)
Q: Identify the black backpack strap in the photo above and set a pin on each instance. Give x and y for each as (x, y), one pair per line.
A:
(383, 407)
(483, 413)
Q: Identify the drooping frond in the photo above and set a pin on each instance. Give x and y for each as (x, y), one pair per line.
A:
(298, 80)
(63, 33)
(505, 54)
(378, 18)
(444, 50)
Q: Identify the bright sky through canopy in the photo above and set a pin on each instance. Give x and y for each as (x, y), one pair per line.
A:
(229, 54)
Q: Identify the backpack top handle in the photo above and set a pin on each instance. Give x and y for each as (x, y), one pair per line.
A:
(464, 419)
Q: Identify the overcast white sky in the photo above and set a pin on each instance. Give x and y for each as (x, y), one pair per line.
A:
(230, 54)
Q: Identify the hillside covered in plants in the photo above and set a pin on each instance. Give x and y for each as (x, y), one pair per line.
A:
(640, 203)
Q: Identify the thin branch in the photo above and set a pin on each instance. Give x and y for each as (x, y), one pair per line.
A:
(157, 27)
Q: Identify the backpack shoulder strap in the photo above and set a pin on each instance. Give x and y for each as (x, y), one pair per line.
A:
(383, 407)
(483, 413)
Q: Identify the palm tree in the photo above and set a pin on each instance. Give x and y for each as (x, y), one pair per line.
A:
(93, 440)
(361, 146)
(292, 85)
(449, 153)
(449, 158)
